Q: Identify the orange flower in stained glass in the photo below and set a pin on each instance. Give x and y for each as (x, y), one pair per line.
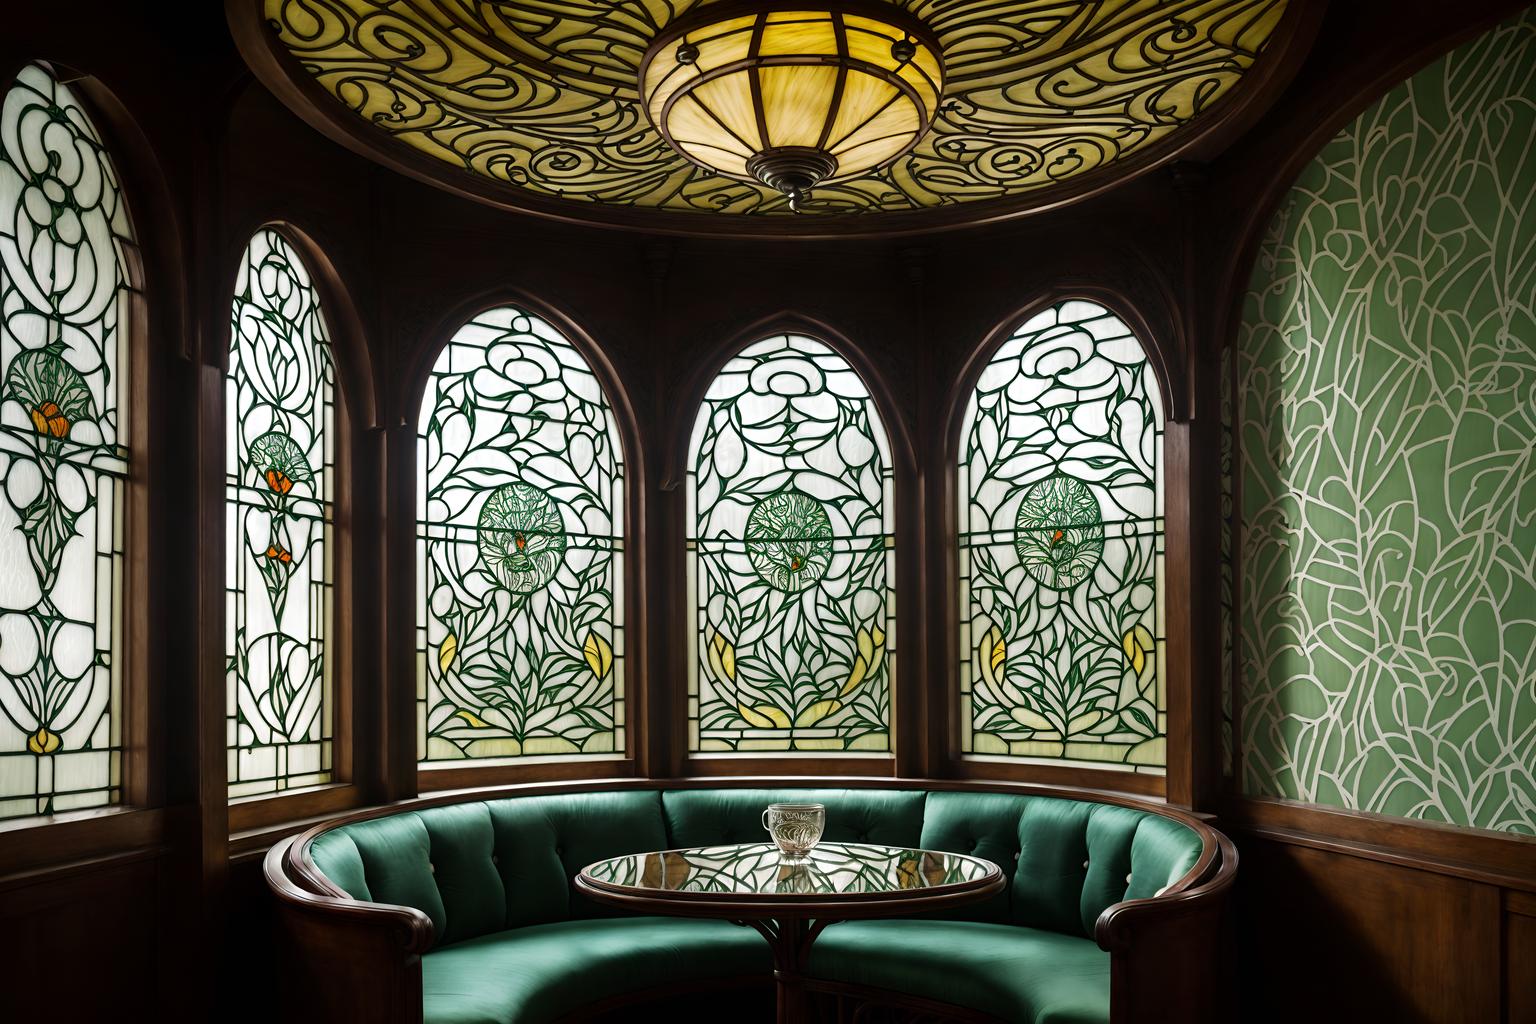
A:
(279, 462)
(54, 394)
(50, 419)
(278, 553)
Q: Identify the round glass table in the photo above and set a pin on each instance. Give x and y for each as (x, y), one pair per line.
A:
(790, 901)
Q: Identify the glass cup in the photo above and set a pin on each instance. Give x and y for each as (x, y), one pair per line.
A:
(795, 828)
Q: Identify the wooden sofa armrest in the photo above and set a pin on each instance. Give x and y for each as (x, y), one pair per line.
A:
(345, 959)
(1166, 951)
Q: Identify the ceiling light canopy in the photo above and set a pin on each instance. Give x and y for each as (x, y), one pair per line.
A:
(796, 96)
(701, 116)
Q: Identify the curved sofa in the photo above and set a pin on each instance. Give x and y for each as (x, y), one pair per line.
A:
(460, 910)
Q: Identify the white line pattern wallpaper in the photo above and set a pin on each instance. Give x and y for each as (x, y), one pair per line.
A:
(1387, 429)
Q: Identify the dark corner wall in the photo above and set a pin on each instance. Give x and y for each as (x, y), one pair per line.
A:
(1343, 300)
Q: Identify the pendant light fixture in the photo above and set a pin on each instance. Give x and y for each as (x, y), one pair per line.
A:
(793, 96)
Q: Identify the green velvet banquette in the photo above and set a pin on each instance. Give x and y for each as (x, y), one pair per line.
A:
(460, 910)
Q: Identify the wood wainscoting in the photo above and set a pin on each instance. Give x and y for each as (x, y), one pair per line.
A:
(84, 942)
(1427, 925)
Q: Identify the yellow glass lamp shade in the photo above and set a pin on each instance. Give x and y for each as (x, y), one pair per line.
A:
(793, 97)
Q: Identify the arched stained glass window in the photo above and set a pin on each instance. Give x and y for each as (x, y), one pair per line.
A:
(64, 291)
(519, 551)
(1061, 547)
(280, 433)
(790, 557)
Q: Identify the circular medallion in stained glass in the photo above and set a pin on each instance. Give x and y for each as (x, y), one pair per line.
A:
(789, 541)
(1060, 532)
(522, 539)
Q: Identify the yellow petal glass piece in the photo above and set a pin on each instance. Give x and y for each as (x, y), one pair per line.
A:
(816, 712)
(992, 653)
(1138, 646)
(599, 655)
(446, 652)
(43, 742)
(764, 717)
(722, 658)
(470, 717)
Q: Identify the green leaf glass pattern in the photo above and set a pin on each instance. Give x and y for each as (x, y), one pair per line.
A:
(519, 563)
(279, 480)
(1061, 547)
(790, 557)
(63, 290)
(1387, 368)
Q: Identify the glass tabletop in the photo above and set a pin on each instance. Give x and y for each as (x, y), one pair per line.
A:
(844, 871)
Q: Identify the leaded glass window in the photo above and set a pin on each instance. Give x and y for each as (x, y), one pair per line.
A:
(64, 293)
(519, 550)
(791, 556)
(280, 433)
(1061, 547)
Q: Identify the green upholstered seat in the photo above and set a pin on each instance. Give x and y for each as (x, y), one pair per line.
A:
(1026, 975)
(512, 940)
(542, 972)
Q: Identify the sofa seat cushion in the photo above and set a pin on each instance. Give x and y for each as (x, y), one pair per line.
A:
(542, 972)
(1016, 973)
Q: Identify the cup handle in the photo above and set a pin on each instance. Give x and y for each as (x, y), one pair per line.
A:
(764, 820)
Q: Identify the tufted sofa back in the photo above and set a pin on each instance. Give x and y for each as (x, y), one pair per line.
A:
(485, 866)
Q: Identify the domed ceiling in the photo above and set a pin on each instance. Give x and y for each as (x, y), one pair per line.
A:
(538, 105)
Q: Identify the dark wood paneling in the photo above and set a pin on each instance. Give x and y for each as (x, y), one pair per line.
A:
(1353, 939)
(82, 943)
(1520, 958)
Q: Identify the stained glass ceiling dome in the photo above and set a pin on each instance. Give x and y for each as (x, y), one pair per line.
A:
(657, 113)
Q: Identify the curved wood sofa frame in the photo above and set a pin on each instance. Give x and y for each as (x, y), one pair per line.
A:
(353, 960)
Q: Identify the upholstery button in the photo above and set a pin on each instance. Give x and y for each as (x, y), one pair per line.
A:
(495, 859)
(1085, 865)
(431, 868)
(1127, 879)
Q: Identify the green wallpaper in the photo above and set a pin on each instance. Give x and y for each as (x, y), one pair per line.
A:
(1387, 425)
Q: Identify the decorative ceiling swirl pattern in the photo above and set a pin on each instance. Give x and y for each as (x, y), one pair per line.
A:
(543, 95)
